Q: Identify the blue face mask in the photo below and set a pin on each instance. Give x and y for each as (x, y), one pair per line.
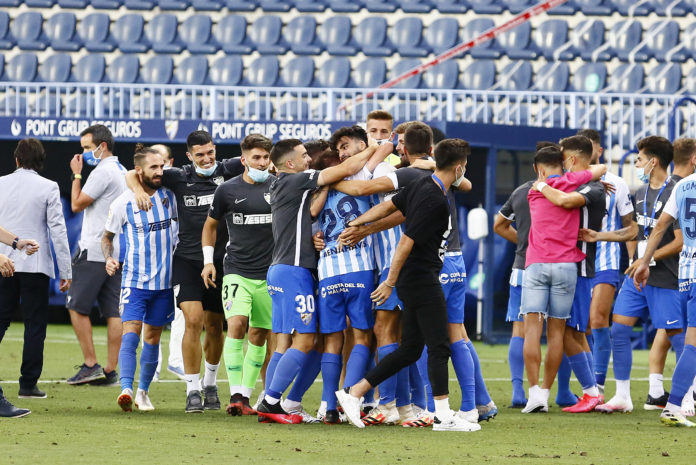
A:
(642, 175)
(257, 175)
(91, 158)
(205, 171)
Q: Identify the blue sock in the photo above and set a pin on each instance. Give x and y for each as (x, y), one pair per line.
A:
(423, 369)
(306, 376)
(464, 368)
(516, 361)
(387, 388)
(369, 397)
(126, 359)
(415, 381)
(623, 354)
(590, 341)
(331, 366)
(578, 363)
(482, 397)
(564, 396)
(271, 368)
(403, 387)
(683, 375)
(677, 342)
(590, 365)
(356, 366)
(148, 365)
(601, 353)
(288, 367)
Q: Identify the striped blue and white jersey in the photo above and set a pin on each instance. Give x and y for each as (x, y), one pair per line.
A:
(385, 242)
(150, 237)
(339, 210)
(682, 206)
(618, 204)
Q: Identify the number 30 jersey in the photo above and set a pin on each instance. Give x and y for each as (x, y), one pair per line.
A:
(339, 210)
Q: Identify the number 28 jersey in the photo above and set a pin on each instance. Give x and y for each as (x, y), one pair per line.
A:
(339, 210)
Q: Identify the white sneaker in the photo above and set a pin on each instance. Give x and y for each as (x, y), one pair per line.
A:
(616, 404)
(455, 423)
(262, 394)
(125, 400)
(538, 400)
(142, 401)
(471, 416)
(674, 417)
(687, 406)
(351, 407)
(299, 410)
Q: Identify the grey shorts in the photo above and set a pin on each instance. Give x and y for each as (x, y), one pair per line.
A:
(92, 285)
(549, 289)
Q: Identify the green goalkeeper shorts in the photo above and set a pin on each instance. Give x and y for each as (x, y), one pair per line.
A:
(247, 297)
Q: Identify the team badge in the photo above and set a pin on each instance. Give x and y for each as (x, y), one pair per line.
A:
(306, 318)
(658, 206)
(171, 127)
(165, 202)
(218, 180)
(267, 197)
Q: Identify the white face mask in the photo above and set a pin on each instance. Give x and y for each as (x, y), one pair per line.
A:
(459, 179)
(205, 171)
(257, 175)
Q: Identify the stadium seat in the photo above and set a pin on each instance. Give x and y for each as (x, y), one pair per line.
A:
(550, 36)
(515, 76)
(517, 6)
(161, 31)
(117, 103)
(55, 68)
(196, 33)
(293, 110)
(383, 6)
(226, 108)
(343, 6)
(39, 3)
(475, 28)
(335, 34)
(265, 34)
(415, 6)
(670, 8)
(442, 76)
(258, 109)
(157, 70)
(192, 70)
(173, 4)
(239, 5)
(371, 36)
(632, 7)
(590, 77)
(22, 67)
(263, 72)
(568, 8)
(623, 37)
(14, 105)
(334, 73)
(451, 6)
(595, 7)
(407, 36)
(590, 117)
(690, 82)
(6, 39)
(93, 31)
(226, 71)
(47, 104)
(442, 34)
(90, 68)
(686, 47)
(414, 82)
(149, 106)
(626, 78)
(660, 38)
(61, 32)
(300, 34)
(76, 4)
(586, 37)
(27, 29)
(310, 6)
(552, 77)
(298, 72)
(79, 106)
(128, 32)
(106, 4)
(479, 75)
(215, 5)
(664, 78)
(124, 69)
(187, 107)
(10, 3)
(275, 5)
(2, 64)
(487, 7)
(517, 42)
(405, 111)
(230, 33)
(370, 73)
(146, 5)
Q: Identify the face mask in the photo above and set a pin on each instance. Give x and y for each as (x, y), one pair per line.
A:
(205, 171)
(381, 141)
(257, 175)
(91, 157)
(642, 175)
(459, 180)
(166, 167)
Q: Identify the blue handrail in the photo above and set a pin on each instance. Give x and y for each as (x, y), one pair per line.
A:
(672, 128)
(623, 160)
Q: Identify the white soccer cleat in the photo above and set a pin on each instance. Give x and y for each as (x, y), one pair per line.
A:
(142, 401)
(455, 423)
(262, 394)
(616, 404)
(383, 414)
(422, 420)
(687, 406)
(674, 417)
(471, 416)
(125, 400)
(351, 407)
(299, 410)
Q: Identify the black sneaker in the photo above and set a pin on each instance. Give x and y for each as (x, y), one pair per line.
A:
(211, 401)
(31, 393)
(194, 402)
(87, 374)
(234, 408)
(275, 414)
(7, 410)
(332, 417)
(110, 379)
(652, 403)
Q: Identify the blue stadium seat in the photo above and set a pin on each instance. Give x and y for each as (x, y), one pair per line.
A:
(265, 34)
(517, 42)
(665, 78)
(593, 117)
(117, 103)
(407, 36)
(383, 6)
(300, 34)
(686, 47)
(442, 76)
(515, 76)
(226, 71)
(550, 36)
(442, 34)
(479, 75)
(2, 64)
(157, 70)
(230, 33)
(690, 82)
(27, 29)
(371, 36)
(517, 6)
(161, 31)
(275, 5)
(263, 72)
(298, 72)
(552, 77)
(595, 7)
(140, 4)
(343, 6)
(187, 107)
(47, 104)
(61, 32)
(196, 33)
(404, 111)
(334, 73)
(90, 68)
(76, 4)
(192, 70)
(669, 8)
(661, 38)
(6, 39)
(370, 73)
(39, 3)
(626, 78)
(631, 8)
(451, 6)
(473, 29)
(590, 77)
(124, 69)
(415, 6)
(79, 106)
(238, 5)
(569, 8)
(310, 6)
(226, 108)
(586, 37)
(14, 105)
(215, 5)
(335, 34)
(486, 6)
(149, 106)
(623, 37)
(93, 31)
(10, 3)
(22, 67)
(129, 33)
(258, 109)
(293, 110)
(55, 68)
(106, 4)
(414, 82)
(173, 4)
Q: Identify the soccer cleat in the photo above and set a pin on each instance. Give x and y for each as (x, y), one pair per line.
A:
(87, 374)
(262, 394)
(331, 417)
(422, 420)
(110, 379)
(306, 417)
(535, 406)
(274, 413)
(455, 423)
(656, 403)
(176, 371)
(142, 401)
(367, 408)
(194, 402)
(125, 400)
(351, 407)
(239, 405)
(383, 414)
(616, 404)
(586, 404)
(675, 418)
(7, 410)
(687, 406)
(486, 412)
(211, 401)
(31, 393)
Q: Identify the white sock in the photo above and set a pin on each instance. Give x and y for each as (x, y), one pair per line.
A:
(657, 389)
(192, 383)
(322, 407)
(271, 400)
(290, 404)
(623, 388)
(592, 392)
(534, 391)
(673, 408)
(235, 390)
(246, 392)
(210, 377)
(442, 409)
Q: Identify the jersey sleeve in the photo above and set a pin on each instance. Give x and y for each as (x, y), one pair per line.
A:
(306, 180)
(96, 184)
(593, 193)
(232, 167)
(219, 205)
(116, 217)
(624, 204)
(399, 200)
(172, 176)
(506, 210)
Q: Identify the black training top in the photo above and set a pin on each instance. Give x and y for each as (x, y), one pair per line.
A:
(591, 217)
(516, 209)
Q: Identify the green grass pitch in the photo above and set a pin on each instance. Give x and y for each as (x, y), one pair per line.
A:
(83, 424)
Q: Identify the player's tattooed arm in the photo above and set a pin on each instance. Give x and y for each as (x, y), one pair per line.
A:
(568, 200)
(375, 213)
(625, 234)
(360, 188)
(354, 234)
(503, 227)
(141, 197)
(384, 290)
(107, 245)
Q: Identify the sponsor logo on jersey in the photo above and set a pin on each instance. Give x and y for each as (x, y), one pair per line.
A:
(240, 218)
(198, 200)
(338, 288)
(455, 277)
(156, 226)
(274, 289)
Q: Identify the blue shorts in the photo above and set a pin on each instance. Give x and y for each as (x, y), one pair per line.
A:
(664, 305)
(346, 295)
(515, 301)
(687, 294)
(393, 302)
(292, 290)
(549, 288)
(611, 277)
(155, 308)
(580, 311)
(453, 281)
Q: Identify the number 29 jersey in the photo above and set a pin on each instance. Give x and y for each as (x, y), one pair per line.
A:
(339, 210)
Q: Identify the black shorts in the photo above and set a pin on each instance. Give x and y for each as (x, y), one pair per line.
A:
(189, 287)
(92, 284)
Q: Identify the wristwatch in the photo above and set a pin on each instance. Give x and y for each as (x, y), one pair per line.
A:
(75, 176)
(14, 243)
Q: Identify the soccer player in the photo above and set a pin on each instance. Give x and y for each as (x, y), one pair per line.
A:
(194, 186)
(147, 299)
(290, 276)
(379, 126)
(660, 296)
(244, 204)
(415, 272)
